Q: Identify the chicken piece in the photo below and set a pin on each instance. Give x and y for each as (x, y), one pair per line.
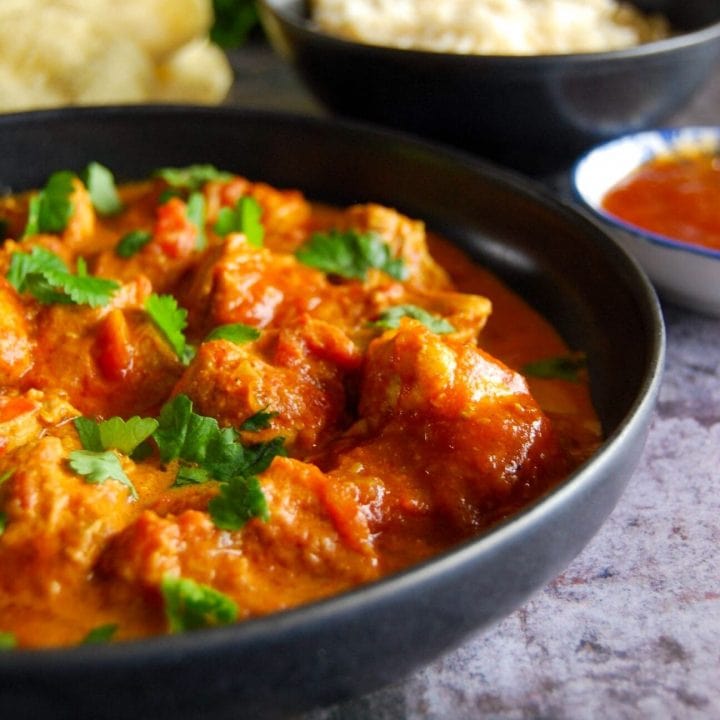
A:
(16, 347)
(305, 550)
(174, 249)
(241, 283)
(110, 360)
(406, 238)
(423, 397)
(286, 214)
(25, 417)
(55, 520)
(297, 373)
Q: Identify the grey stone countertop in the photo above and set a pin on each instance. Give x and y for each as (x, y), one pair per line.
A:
(631, 629)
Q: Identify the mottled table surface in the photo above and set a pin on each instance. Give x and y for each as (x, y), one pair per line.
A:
(632, 628)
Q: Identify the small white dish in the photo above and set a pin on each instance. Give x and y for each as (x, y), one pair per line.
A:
(686, 274)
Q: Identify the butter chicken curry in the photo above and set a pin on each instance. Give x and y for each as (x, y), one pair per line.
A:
(219, 400)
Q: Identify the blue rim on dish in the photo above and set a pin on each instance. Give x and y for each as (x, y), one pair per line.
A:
(646, 145)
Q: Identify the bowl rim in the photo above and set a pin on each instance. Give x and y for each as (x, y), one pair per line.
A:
(166, 648)
(669, 136)
(283, 12)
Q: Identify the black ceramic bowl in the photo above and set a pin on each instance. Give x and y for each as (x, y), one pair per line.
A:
(332, 650)
(535, 114)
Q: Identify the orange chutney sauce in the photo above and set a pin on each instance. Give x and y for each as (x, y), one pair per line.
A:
(677, 196)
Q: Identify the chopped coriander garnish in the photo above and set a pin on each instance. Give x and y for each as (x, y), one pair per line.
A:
(114, 433)
(45, 276)
(196, 215)
(350, 254)
(192, 177)
(566, 367)
(100, 635)
(96, 467)
(390, 319)
(7, 641)
(259, 421)
(6, 476)
(170, 320)
(100, 184)
(189, 605)
(233, 20)
(208, 452)
(184, 435)
(236, 332)
(132, 242)
(243, 218)
(51, 209)
(241, 499)
(3, 522)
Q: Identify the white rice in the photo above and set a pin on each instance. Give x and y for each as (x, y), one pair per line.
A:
(491, 27)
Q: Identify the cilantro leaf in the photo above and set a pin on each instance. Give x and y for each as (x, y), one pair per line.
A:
(259, 456)
(390, 319)
(96, 467)
(208, 452)
(350, 254)
(567, 367)
(89, 433)
(3, 522)
(169, 319)
(114, 433)
(32, 225)
(181, 433)
(233, 21)
(196, 215)
(100, 183)
(240, 500)
(100, 635)
(6, 476)
(45, 276)
(132, 242)
(259, 421)
(51, 209)
(243, 218)
(7, 641)
(192, 177)
(191, 606)
(235, 332)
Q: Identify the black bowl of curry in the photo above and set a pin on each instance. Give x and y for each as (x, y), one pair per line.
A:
(289, 407)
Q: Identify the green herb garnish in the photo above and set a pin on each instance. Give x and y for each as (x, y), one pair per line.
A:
(240, 500)
(114, 433)
(235, 332)
(97, 467)
(4, 228)
(196, 215)
(46, 277)
(567, 367)
(233, 21)
(7, 641)
(100, 635)
(390, 319)
(51, 209)
(100, 184)
(192, 177)
(243, 218)
(259, 421)
(3, 522)
(350, 254)
(170, 320)
(208, 452)
(192, 606)
(132, 243)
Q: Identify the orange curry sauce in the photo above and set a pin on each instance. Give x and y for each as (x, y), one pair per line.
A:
(399, 442)
(677, 196)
